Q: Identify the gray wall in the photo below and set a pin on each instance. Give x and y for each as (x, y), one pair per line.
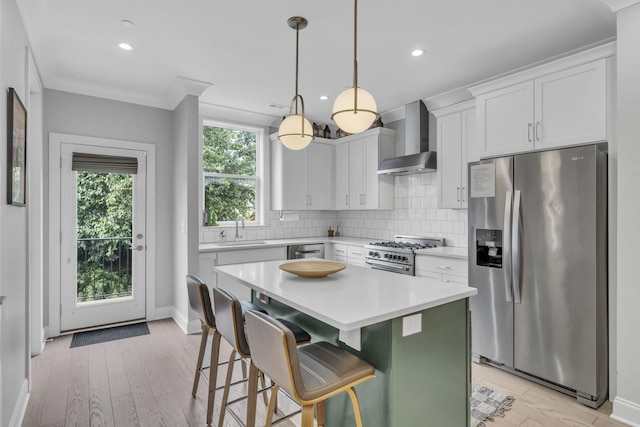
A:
(14, 350)
(96, 117)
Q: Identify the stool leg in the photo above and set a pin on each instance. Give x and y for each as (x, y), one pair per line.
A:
(203, 346)
(252, 394)
(227, 386)
(263, 385)
(272, 404)
(213, 374)
(320, 413)
(356, 406)
(307, 416)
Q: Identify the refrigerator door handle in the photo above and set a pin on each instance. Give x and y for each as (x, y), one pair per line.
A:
(506, 242)
(515, 247)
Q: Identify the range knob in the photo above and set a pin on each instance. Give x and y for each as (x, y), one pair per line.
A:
(404, 258)
(386, 255)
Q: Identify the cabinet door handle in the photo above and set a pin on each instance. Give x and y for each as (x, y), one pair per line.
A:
(364, 199)
(538, 131)
(310, 200)
(458, 193)
(529, 130)
(444, 267)
(463, 192)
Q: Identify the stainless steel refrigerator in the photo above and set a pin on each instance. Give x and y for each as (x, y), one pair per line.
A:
(538, 257)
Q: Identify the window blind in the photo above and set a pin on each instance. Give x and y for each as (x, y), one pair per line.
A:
(106, 164)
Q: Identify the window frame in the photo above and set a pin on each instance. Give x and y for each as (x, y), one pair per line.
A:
(262, 154)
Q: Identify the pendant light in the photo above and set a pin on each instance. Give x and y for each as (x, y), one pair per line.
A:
(295, 131)
(354, 110)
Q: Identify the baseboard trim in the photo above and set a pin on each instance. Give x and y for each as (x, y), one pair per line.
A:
(187, 326)
(20, 409)
(163, 313)
(626, 412)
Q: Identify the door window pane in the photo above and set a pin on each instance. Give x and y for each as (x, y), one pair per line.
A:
(104, 218)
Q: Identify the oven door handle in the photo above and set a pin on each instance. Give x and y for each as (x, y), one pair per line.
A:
(388, 267)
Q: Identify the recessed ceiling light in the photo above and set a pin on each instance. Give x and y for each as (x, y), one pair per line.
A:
(127, 24)
(417, 52)
(125, 46)
(324, 97)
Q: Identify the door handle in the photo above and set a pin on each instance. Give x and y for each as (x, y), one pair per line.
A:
(515, 247)
(529, 130)
(506, 242)
(444, 267)
(538, 131)
(136, 248)
(462, 192)
(458, 193)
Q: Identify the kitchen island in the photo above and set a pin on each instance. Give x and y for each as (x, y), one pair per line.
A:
(422, 378)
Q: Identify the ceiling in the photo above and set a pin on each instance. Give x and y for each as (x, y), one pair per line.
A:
(245, 49)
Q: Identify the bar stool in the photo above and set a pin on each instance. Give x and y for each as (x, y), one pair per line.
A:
(310, 373)
(230, 324)
(200, 304)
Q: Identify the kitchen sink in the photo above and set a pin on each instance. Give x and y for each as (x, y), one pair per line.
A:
(242, 243)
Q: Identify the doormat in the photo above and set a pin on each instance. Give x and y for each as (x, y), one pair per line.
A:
(109, 334)
(487, 404)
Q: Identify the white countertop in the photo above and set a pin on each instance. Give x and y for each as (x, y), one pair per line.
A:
(248, 244)
(445, 251)
(349, 299)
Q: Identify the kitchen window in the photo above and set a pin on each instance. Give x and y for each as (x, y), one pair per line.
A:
(231, 173)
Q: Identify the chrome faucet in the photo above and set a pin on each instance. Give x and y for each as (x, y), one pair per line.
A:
(239, 218)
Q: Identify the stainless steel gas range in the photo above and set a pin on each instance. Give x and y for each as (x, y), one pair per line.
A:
(398, 256)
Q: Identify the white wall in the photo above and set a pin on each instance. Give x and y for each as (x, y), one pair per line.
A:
(185, 209)
(626, 404)
(14, 320)
(96, 117)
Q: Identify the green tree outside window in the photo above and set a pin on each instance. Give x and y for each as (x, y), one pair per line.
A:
(229, 169)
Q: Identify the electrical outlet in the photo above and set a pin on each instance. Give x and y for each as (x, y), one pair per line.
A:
(411, 324)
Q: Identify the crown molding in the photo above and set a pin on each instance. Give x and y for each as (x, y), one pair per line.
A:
(616, 5)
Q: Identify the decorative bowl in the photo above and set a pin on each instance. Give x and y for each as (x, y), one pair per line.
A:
(312, 269)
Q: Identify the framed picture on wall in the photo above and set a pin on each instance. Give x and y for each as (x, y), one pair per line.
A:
(16, 150)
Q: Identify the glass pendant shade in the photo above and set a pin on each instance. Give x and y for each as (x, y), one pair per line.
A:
(295, 132)
(353, 118)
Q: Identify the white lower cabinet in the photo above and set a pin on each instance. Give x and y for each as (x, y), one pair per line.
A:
(348, 254)
(444, 269)
(209, 260)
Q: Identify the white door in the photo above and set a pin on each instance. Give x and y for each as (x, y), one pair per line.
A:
(103, 236)
(370, 200)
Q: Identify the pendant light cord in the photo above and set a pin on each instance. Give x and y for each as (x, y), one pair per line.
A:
(355, 56)
(297, 42)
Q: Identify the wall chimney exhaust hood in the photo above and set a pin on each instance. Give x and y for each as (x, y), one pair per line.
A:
(417, 156)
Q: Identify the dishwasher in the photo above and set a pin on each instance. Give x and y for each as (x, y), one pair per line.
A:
(315, 250)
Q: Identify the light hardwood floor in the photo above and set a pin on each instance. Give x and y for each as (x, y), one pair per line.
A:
(146, 381)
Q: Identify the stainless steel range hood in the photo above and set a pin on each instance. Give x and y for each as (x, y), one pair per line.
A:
(417, 156)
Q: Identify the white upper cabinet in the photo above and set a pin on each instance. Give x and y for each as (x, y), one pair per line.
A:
(505, 120)
(358, 185)
(302, 179)
(546, 110)
(456, 130)
(571, 106)
(342, 190)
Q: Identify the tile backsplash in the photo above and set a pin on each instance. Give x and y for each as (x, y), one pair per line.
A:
(415, 213)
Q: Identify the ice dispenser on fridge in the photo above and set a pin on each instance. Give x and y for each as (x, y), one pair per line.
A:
(489, 248)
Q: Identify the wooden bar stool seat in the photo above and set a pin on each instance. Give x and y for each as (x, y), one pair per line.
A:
(310, 373)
